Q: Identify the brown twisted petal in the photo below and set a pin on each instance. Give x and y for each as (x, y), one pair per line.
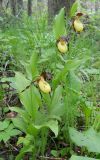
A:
(46, 75)
(64, 38)
(79, 14)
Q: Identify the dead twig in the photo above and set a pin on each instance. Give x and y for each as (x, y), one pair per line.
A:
(51, 158)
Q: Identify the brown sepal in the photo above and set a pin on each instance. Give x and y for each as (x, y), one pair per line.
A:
(64, 38)
(46, 75)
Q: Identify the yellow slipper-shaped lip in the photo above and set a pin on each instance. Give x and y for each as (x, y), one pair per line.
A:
(78, 26)
(44, 86)
(62, 46)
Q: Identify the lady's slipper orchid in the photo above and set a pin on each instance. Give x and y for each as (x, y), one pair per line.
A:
(77, 24)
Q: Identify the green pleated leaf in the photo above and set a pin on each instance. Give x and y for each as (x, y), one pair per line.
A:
(59, 24)
(75, 83)
(57, 107)
(19, 123)
(4, 124)
(23, 113)
(31, 67)
(89, 139)
(31, 100)
(81, 158)
(24, 150)
(20, 82)
(73, 9)
(51, 124)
